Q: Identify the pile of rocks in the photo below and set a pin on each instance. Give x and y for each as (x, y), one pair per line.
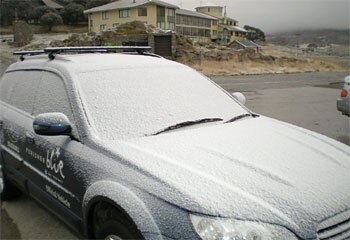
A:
(105, 37)
(186, 51)
(85, 39)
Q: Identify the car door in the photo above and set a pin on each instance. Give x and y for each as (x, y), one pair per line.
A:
(51, 161)
(18, 90)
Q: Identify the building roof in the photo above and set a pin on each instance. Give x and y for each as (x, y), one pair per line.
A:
(124, 4)
(247, 43)
(194, 14)
(52, 4)
(232, 19)
(233, 28)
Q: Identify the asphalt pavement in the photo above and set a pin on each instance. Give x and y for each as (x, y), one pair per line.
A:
(307, 100)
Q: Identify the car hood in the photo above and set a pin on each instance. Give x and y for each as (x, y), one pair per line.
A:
(254, 169)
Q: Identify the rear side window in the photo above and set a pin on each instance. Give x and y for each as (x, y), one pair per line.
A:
(7, 84)
(19, 89)
(52, 96)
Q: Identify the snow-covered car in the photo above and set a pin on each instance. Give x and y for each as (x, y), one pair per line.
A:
(343, 103)
(134, 146)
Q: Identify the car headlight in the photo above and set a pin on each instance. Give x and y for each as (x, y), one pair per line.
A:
(229, 229)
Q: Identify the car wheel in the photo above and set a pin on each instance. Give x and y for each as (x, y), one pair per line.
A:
(8, 191)
(111, 224)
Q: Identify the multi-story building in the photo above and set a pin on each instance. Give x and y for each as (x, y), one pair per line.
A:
(195, 25)
(208, 23)
(109, 16)
(227, 28)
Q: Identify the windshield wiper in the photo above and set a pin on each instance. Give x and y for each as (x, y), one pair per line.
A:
(188, 123)
(241, 116)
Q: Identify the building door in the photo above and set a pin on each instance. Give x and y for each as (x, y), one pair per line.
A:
(162, 46)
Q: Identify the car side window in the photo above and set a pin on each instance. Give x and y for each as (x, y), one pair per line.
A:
(19, 89)
(7, 84)
(52, 96)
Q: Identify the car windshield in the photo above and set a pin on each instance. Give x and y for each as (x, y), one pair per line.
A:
(130, 103)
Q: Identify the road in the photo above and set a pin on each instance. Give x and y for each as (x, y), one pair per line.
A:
(253, 83)
(307, 100)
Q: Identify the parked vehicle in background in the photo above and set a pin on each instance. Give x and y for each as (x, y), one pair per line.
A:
(134, 146)
(343, 103)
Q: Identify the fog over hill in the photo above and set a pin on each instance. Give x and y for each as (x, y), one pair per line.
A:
(274, 16)
(323, 37)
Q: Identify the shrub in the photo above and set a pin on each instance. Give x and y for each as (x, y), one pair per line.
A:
(50, 20)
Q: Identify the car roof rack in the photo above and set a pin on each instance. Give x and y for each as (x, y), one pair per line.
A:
(52, 51)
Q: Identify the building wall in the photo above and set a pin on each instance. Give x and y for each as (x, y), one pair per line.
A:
(96, 19)
(211, 11)
(235, 37)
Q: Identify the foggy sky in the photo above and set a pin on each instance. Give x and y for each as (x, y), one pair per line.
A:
(282, 15)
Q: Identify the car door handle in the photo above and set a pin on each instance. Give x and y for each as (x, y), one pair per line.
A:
(30, 138)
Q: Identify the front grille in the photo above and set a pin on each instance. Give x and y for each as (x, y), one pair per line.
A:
(335, 228)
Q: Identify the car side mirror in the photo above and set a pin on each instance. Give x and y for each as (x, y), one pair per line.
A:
(52, 124)
(240, 97)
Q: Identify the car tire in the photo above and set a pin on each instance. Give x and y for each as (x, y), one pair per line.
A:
(8, 191)
(111, 224)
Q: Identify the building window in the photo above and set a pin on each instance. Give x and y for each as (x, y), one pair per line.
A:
(161, 25)
(208, 9)
(161, 11)
(215, 23)
(171, 26)
(105, 15)
(124, 13)
(142, 12)
(195, 32)
(103, 27)
(171, 12)
(115, 25)
(171, 15)
(215, 33)
(193, 21)
(161, 17)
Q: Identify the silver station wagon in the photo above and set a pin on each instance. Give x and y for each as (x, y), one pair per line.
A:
(130, 145)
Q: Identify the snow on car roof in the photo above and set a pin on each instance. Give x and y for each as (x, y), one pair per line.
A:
(116, 61)
(78, 63)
